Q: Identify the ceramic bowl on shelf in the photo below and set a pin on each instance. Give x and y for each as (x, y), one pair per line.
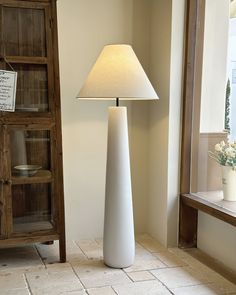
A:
(26, 170)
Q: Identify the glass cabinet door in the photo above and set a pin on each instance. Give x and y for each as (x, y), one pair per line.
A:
(31, 207)
(31, 180)
(24, 31)
(25, 49)
(32, 88)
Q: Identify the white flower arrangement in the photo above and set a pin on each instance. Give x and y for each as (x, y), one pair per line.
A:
(225, 154)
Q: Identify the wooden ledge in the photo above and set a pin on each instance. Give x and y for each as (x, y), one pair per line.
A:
(213, 204)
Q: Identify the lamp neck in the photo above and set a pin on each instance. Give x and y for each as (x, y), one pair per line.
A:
(117, 101)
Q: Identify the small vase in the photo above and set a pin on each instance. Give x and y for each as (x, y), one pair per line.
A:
(229, 183)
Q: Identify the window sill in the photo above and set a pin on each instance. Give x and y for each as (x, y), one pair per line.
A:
(213, 204)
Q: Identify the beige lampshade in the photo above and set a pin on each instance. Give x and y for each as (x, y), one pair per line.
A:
(117, 73)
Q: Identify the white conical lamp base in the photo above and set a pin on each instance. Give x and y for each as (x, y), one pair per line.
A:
(118, 244)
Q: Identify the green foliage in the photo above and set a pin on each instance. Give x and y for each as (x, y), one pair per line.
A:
(227, 106)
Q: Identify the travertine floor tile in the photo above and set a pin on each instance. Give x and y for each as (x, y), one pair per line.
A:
(141, 276)
(82, 292)
(99, 241)
(50, 253)
(188, 259)
(137, 246)
(53, 282)
(56, 267)
(225, 286)
(10, 280)
(107, 279)
(142, 288)
(179, 277)
(95, 274)
(91, 248)
(145, 262)
(18, 249)
(212, 276)
(143, 236)
(15, 292)
(150, 244)
(156, 271)
(101, 291)
(15, 258)
(93, 267)
(178, 252)
(169, 259)
(141, 252)
(208, 289)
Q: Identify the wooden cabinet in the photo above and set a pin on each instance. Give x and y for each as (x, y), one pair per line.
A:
(31, 180)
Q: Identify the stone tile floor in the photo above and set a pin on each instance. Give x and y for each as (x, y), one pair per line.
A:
(157, 270)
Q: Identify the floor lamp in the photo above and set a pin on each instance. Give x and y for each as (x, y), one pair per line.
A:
(117, 74)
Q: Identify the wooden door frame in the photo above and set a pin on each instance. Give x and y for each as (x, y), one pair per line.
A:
(195, 15)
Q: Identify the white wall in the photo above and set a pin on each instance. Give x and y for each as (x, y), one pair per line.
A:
(139, 119)
(155, 29)
(217, 239)
(158, 133)
(167, 30)
(84, 27)
(214, 71)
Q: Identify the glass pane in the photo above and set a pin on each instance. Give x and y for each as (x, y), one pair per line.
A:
(32, 148)
(32, 88)
(31, 207)
(215, 120)
(24, 31)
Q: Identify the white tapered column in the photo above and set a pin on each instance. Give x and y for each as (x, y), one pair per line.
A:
(118, 244)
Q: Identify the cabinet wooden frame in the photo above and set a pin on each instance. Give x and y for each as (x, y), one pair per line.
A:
(190, 203)
(41, 120)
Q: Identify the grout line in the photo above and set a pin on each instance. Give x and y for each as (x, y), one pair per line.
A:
(130, 278)
(164, 285)
(77, 276)
(126, 274)
(40, 257)
(114, 290)
(82, 250)
(27, 284)
(156, 268)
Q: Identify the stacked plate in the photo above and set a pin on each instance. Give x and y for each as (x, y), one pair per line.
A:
(26, 170)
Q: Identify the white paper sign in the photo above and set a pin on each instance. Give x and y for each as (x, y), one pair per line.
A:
(7, 90)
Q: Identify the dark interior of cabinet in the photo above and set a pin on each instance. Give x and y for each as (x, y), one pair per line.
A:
(24, 31)
(31, 203)
(32, 88)
(31, 206)
(30, 147)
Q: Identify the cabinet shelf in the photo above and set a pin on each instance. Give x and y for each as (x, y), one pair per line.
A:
(26, 59)
(32, 226)
(42, 176)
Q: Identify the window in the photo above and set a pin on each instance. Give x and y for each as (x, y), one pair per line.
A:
(208, 109)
